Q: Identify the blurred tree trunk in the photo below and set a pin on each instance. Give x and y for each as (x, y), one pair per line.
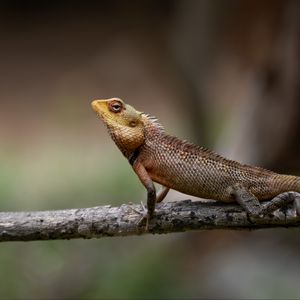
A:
(242, 58)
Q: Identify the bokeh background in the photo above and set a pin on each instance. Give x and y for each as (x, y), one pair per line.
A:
(222, 74)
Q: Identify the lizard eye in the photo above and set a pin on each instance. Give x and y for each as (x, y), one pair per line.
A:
(115, 106)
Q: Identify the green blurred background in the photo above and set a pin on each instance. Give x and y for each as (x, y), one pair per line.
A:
(223, 74)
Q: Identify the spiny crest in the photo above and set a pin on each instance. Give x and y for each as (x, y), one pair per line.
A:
(154, 122)
(182, 145)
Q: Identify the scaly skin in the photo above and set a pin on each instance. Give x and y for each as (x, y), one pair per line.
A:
(187, 168)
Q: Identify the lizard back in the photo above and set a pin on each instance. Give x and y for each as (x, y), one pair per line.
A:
(200, 172)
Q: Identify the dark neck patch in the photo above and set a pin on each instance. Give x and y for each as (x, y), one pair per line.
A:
(134, 155)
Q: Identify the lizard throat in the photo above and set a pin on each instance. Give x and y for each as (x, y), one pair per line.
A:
(127, 139)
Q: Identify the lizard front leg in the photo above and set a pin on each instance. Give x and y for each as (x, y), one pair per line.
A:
(146, 180)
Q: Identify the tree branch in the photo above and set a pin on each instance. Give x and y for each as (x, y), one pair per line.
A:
(103, 221)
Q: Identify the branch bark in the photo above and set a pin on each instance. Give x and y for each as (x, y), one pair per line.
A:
(104, 221)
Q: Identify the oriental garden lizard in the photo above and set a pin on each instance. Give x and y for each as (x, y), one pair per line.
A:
(158, 157)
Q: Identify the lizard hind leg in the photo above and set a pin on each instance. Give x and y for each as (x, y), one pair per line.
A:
(252, 206)
(246, 200)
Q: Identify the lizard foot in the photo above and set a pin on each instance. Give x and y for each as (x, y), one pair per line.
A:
(144, 216)
(281, 201)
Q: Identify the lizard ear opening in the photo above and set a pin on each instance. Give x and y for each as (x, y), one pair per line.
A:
(132, 123)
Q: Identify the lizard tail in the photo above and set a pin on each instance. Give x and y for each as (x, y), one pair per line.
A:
(286, 183)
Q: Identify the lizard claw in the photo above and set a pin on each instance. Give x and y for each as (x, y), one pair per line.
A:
(144, 216)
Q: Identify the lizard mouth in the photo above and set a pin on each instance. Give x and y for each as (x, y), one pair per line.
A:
(97, 106)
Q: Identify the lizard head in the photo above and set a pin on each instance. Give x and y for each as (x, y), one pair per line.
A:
(124, 123)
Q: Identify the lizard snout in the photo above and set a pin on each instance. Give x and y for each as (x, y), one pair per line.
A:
(95, 105)
(99, 106)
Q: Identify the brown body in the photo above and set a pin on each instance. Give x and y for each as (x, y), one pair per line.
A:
(190, 169)
(202, 173)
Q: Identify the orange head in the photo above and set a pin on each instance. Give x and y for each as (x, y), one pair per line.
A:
(124, 123)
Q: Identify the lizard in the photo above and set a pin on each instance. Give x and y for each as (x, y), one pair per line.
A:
(156, 156)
